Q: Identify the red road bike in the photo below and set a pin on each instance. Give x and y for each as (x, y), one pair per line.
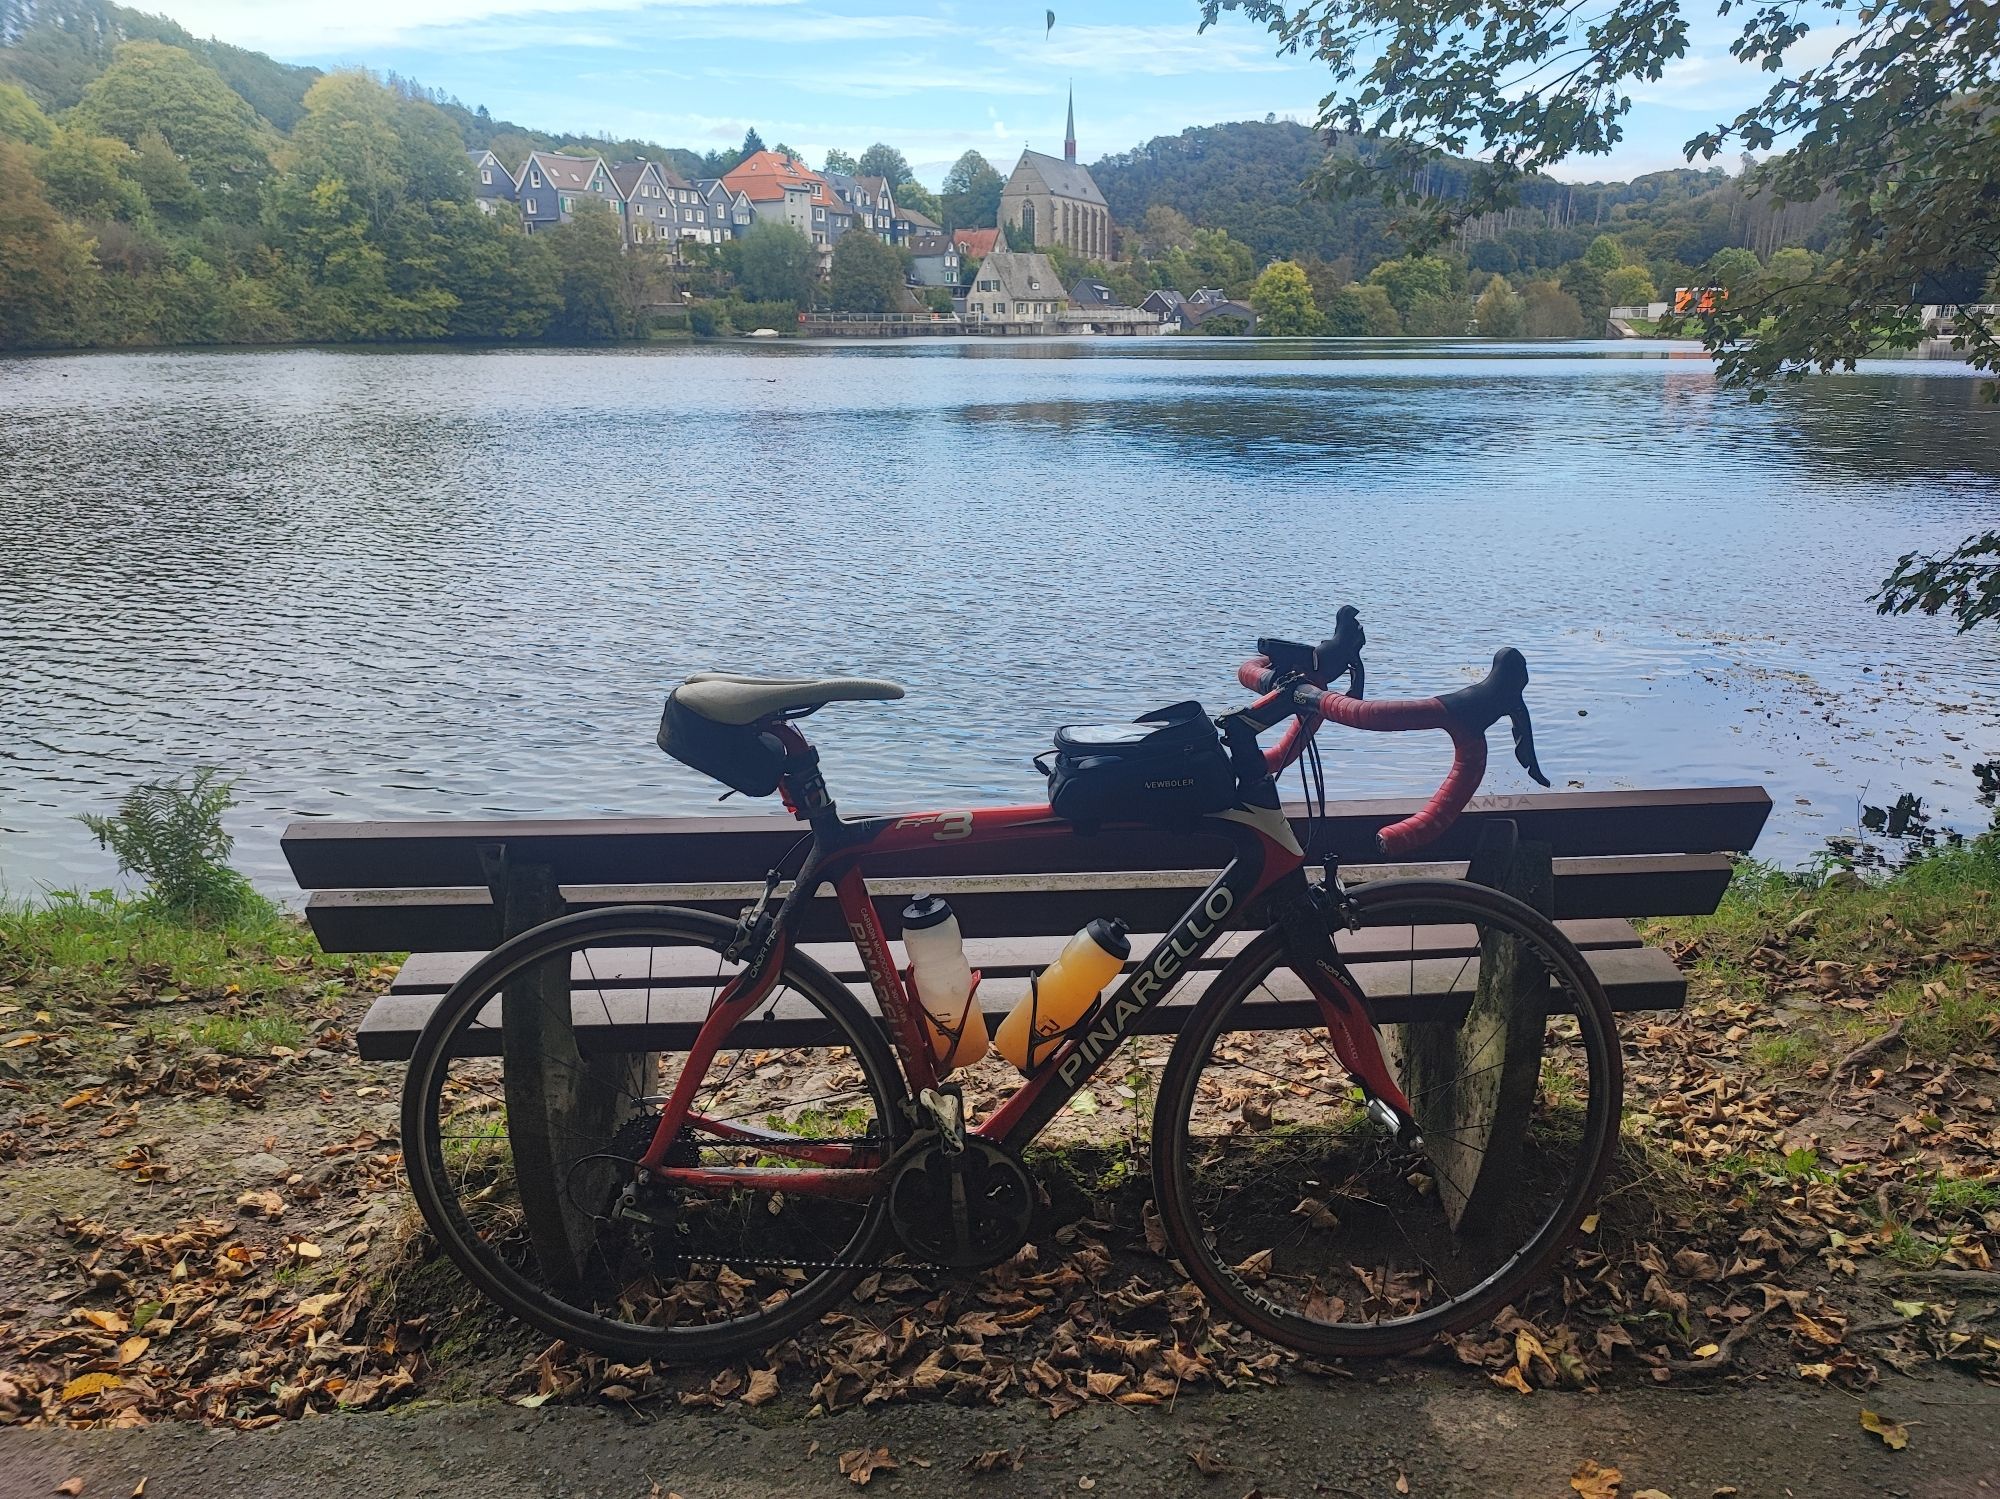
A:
(1316, 1176)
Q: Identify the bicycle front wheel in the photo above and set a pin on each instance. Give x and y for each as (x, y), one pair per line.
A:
(1300, 1216)
(536, 1199)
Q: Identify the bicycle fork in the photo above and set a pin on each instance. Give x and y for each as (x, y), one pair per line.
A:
(1309, 944)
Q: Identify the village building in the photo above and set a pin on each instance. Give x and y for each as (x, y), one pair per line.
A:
(934, 260)
(552, 186)
(977, 244)
(784, 190)
(1053, 200)
(651, 214)
(1015, 286)
(729, 212)
(492, 183)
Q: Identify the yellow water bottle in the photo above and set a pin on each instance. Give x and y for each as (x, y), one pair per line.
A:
(1058, 997)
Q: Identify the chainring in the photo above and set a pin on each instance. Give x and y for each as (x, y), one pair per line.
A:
(966, 1209)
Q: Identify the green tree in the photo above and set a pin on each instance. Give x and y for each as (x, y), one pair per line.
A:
(340, 289)
(153, 87)
(971, 194)
(776, 263)
(866, 275)
(91, 176)
(1412, 277)
(1439, 317)
(45, 266)
(21, 118)
(1630, 286)
(1363, 311)
(1498, 311)
(1604, 254)
(590, 279)
(387, 149)
(1735, 269)
(164, 178)
(1165, 228)
(884, 161)
(1791, 266)
(912, 194)
(752, 144)
(1585, 282)
(1547, 311)
(1284, 302)
(838, 160)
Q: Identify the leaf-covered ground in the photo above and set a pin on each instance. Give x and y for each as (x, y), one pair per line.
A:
(204, 1216)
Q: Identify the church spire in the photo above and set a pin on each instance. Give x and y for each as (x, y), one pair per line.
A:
(1069, 130)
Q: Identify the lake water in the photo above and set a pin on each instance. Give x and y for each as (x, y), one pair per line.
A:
(410, 584)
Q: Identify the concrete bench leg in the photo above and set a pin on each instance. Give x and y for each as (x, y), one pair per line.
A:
(561, 1105)
(1472, 1085)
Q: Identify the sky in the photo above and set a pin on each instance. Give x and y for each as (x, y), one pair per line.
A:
(931, 79)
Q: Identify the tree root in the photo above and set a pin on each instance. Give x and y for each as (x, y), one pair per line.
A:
(1724, 1351)
(1867, 1051)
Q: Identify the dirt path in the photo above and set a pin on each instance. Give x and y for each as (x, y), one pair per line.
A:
(1446, 1434)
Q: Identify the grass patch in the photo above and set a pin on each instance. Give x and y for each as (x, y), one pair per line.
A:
(243, 1035)
(91, 949)
(1963, 1196)
(97, 947)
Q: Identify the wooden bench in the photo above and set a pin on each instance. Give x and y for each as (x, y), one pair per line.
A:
(439, 891)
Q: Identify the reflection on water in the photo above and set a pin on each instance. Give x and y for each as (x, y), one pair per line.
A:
(415, 583)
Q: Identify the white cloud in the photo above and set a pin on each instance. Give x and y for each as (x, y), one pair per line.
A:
(314, 29)
(1147, 51)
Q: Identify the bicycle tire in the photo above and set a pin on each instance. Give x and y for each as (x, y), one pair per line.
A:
(1201, 1245)
(539, 1304)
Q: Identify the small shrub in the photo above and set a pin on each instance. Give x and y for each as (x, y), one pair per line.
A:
(170, 834)
(701, 320)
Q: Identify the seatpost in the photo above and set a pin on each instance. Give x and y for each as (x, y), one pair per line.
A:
(802, 785)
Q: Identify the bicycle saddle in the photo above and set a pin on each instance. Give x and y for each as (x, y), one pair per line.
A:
(725, 697)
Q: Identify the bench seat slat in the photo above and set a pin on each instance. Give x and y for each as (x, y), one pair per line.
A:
(1014, 957)
(636, 1018)
(989, 906)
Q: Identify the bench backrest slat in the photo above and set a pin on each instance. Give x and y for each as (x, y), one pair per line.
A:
(326, 855)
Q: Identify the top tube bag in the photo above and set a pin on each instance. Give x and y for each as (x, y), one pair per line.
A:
(1165, 767)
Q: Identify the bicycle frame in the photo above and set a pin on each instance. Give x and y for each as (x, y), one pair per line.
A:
(1266, 862)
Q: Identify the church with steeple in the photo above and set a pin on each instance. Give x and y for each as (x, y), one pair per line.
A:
(1052, 200)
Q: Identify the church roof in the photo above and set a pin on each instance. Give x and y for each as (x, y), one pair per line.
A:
(1063, 179)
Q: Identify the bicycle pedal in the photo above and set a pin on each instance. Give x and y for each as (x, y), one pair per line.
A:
(947, 1110)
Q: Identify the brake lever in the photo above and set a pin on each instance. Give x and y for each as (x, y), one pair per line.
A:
(1524, 743)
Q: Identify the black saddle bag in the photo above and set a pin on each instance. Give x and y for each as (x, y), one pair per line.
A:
(1165, 767)
(739, 756)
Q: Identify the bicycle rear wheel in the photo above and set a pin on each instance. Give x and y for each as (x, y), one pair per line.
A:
(694, 1273)
(1302, 1218)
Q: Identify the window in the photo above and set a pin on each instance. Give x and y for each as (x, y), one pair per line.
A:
(486, 175)
(531, 206)
(565, 205)
(536, 177)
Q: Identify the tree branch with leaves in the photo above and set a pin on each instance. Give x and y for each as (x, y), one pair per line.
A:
(1899, 126)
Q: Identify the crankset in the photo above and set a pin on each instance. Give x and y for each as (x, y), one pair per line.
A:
(965, 1203)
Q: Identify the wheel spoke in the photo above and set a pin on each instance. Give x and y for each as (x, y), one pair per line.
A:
(658, 1271)
(1270, 1166)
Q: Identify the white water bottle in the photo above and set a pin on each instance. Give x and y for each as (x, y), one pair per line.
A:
(945, 983)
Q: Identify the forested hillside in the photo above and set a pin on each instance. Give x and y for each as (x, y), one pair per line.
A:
(162, 189)
(1248, 177)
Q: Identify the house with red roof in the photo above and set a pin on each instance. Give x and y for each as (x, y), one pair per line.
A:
(784, 190)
